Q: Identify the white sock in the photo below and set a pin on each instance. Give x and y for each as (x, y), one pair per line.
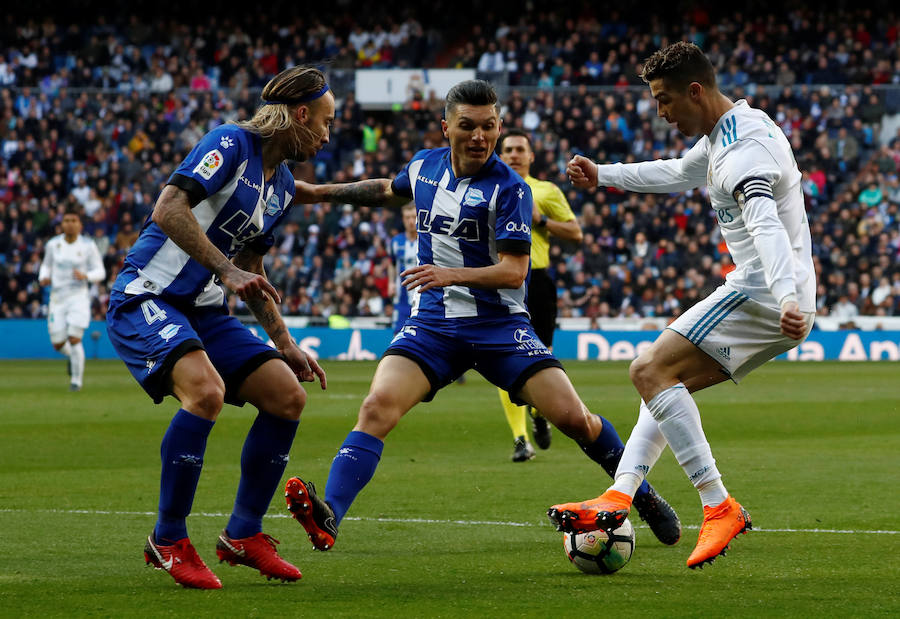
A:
(679, 422)
(77, 358)
(642, 450)
(66, 349)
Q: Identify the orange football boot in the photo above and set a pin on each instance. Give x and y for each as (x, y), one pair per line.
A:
(721, 524)
(607, 512)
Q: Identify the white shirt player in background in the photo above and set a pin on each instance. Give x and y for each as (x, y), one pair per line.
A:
(71, 264)
(765, 308)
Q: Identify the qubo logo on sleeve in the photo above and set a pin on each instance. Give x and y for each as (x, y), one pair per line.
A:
(512, 226)
(209, 165)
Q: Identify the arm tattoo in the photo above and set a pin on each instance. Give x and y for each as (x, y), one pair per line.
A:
(268, 317)
(180, 225)
(265, 309)
(375, 192)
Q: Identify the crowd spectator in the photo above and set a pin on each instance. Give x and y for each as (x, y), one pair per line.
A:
(165, 83)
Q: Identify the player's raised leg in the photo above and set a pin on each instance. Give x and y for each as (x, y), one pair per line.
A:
(551, 392)
(398, 385)
(665, 375)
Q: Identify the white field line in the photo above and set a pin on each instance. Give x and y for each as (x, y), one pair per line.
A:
(102, 512)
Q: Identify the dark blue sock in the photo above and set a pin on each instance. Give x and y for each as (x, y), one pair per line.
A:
(265, 454)
(351, 470)
(181, 453)
(607, 451)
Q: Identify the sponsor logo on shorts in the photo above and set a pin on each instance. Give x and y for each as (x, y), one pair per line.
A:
(724, 352)
(210, 164)
(169, 331)
(402, 333)
(528, 342)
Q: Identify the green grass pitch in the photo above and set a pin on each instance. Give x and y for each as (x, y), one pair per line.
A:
(449, 526)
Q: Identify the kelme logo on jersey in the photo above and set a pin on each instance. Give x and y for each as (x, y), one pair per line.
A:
(169, 331)
(473, 197)
(209, 165)
(273, 205)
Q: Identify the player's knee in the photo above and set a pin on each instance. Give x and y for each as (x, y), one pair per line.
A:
(640, 369)
(378, 413)
(573, 420)
(292, 402)
(207, 399)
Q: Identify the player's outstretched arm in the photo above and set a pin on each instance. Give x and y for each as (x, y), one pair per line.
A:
(266, 311)
(374, 192)
(173, 215)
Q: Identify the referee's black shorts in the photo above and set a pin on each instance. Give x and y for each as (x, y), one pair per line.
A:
(542, 305)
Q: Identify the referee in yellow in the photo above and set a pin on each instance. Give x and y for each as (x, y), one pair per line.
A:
(552, 215)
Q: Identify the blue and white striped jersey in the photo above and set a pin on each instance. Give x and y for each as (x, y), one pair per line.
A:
(465, 222)
(234, 205)
(404, 254)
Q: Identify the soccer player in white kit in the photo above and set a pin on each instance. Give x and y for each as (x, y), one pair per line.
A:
(71, 264)
(765, 307)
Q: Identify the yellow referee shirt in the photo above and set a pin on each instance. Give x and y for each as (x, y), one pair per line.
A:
(551, 202)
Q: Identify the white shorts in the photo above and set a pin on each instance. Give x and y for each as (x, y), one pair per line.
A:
(738, 332)
(68, 318)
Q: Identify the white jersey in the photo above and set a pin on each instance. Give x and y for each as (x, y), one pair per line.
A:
(62, 259)
(754, 187)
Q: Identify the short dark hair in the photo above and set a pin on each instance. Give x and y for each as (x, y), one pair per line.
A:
(678, 65)
(470, 92)
(515, 132)
(72, 210)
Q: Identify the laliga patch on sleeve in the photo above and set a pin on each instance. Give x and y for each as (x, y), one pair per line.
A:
(209, 165)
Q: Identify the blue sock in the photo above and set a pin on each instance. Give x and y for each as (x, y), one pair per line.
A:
(265, 454)
(607, 451)
(181, 453)
(351, 470)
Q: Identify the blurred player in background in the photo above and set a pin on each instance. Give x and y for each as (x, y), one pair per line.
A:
(766, 306)
(71, 264)
(404, 248)
(211, 226)
(551, 215)
(474, 222)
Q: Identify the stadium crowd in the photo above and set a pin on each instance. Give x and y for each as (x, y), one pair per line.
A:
(95, 116)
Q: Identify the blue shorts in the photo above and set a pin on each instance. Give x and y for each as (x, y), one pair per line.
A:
(151, 335)
(506, 351)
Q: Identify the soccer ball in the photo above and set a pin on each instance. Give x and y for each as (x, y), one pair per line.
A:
(599, 552)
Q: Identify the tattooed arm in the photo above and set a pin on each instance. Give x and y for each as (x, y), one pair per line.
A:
(173, 215)
(266, 311)
(375, 192)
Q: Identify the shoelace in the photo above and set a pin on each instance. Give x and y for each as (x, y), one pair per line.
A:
(270, 540)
